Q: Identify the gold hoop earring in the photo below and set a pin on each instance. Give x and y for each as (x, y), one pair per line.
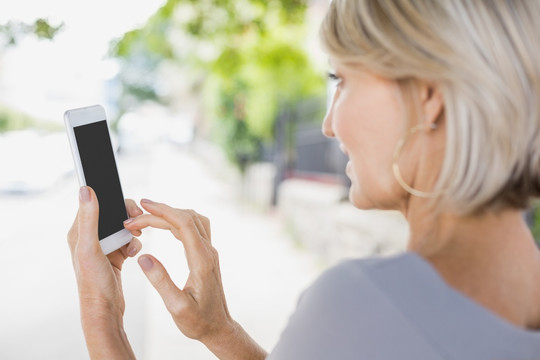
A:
(397, 173)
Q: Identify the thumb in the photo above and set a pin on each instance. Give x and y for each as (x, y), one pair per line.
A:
(88, 220)
(172, 296)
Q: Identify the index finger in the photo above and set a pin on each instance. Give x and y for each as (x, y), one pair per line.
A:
(176, 217)
(184, 230)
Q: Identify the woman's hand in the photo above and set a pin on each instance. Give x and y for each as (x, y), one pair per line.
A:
(99, 281)
(199, 309)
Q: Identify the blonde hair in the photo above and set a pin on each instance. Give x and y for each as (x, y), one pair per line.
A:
(485, 57)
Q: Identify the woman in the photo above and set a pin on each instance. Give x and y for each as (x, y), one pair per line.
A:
(437, 107)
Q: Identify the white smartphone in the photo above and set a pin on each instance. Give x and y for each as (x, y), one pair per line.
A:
(95, 163)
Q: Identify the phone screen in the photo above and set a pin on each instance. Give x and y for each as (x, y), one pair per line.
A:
(101, 174)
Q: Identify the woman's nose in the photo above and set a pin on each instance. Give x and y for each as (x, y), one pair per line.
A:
(327, 123)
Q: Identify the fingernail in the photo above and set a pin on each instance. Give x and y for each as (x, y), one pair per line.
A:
(132, 251)
(146, 201)
(146, 263)
(84, 194)
(126, 222)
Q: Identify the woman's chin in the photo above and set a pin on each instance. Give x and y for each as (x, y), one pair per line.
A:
(358, 199)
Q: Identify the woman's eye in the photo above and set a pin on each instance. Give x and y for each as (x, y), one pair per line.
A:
(334, 79)
(334, 87)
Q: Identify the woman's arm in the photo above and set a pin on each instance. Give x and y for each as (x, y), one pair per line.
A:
(105, 336)
(199, 309)
(99, 282)
(233, 343)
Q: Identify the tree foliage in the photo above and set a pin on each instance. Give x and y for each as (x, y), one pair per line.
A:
(12, 32)
(534, 214)
(248, 51)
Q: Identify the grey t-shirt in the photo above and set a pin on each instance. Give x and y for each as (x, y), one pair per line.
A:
(397, 308)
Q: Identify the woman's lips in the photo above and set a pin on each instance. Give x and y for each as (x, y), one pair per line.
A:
(342, 147)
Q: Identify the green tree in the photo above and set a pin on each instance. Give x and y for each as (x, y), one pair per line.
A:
(12, 32)
(248, 53)
(534, 221)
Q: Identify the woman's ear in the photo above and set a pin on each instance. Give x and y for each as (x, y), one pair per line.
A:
(432, 103)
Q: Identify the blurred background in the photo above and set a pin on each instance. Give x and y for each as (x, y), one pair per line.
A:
(215, 105)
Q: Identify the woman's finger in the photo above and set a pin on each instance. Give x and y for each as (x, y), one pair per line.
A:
(196, 251)
(203, 224)
(196, 221)
(174, 298)
(136, 233)
(73, 234)
(206, 224)
(178, 218)
(132, 248)
(147, 220)
(88, 242)
(132, 209)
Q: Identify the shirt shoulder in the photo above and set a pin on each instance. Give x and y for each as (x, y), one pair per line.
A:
(397, 307)
(344, 315)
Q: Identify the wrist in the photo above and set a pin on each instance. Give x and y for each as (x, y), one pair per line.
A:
(107, 340)
(99, 309)
(234, 342)
(93, 319)
(103, 329)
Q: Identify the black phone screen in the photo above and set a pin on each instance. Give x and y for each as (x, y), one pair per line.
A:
(101, 174)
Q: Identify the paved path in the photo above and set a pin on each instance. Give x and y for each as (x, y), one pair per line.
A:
(263, 272)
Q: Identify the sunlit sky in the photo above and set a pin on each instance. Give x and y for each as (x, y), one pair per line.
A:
(44, 78)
